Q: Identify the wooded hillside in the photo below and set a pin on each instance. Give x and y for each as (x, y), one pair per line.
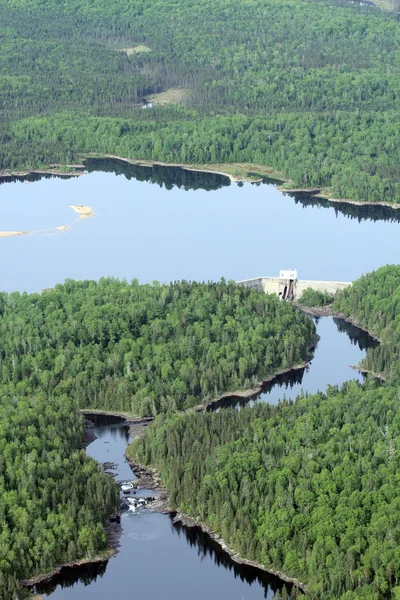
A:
(309, 87)
(310, 488)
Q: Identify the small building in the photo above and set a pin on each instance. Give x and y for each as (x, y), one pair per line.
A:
(290, 274)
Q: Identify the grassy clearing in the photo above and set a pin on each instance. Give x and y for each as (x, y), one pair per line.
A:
(389, 5)
(140, 49)
(243, 171)
(170, 96)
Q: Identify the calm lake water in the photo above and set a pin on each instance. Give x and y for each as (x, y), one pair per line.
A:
(159, 231)
(169, 224)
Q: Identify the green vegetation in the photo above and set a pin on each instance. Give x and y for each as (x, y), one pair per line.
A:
(315, 298)
(147, 348)
(374, 301)
(310, 488)
(112, 345)
(54, 500)
(310, 88)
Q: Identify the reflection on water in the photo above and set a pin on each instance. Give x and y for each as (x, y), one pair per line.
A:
(156, 558)
(167, 177)
(353, 211)
(341, 345)
(31, 178)
(206, 547)
(165, 232)
(168, 224)
(166, 560)
(68, 577)
(357, 337)
(170, 177)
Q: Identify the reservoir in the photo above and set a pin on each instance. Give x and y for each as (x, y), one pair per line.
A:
(168, 224)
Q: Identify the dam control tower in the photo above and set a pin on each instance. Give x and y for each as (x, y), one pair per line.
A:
(288, 287)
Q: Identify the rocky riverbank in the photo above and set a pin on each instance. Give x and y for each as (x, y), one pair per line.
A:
(148, 478)
(328, 311)
(190, 522)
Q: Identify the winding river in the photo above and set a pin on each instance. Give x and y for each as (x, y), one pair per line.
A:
(167, 224)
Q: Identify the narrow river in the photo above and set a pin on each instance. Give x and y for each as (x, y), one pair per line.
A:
(158, 559)
(167, 224)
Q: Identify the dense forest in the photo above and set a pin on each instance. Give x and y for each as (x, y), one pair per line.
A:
(309, 87)
(147, 348)
(311, 487)
(54, 500)
(315, 298)
(142, 348)
(374, 301)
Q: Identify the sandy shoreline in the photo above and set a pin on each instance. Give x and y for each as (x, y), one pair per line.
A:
(4, 234)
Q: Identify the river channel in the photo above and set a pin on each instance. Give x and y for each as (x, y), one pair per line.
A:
(167, 224)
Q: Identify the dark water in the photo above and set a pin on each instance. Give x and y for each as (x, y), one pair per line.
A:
(341, 345)
(169, 224)
(157, 560)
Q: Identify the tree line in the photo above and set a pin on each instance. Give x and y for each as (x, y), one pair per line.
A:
(147, 348)
(309, 87)
(374, 301)
(308, 487)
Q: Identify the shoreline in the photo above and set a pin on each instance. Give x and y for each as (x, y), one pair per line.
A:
(47, 577)
(112, 529)
(327, 311)
(248, 393)
(153, 481)
(235, 556)
(378, 376)
(269, 172)
(76, 171)
(260, 172)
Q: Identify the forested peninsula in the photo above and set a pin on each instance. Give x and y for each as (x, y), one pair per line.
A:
(310, 487)
(309, 88)
(112, 345)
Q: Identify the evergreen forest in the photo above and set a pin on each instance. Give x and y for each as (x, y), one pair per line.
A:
(310, 487)
(307, 87)
(112, 345)
(54, 500)
(147, 348)
(374, 301)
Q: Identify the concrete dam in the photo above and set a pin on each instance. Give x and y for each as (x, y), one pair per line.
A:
(288, 287)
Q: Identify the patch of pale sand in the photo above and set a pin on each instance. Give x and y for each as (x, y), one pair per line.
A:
(84, 212)
(136, 50)
(12, 233)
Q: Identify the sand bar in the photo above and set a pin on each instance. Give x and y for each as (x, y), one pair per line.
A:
(13, 233)
(84, 212)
